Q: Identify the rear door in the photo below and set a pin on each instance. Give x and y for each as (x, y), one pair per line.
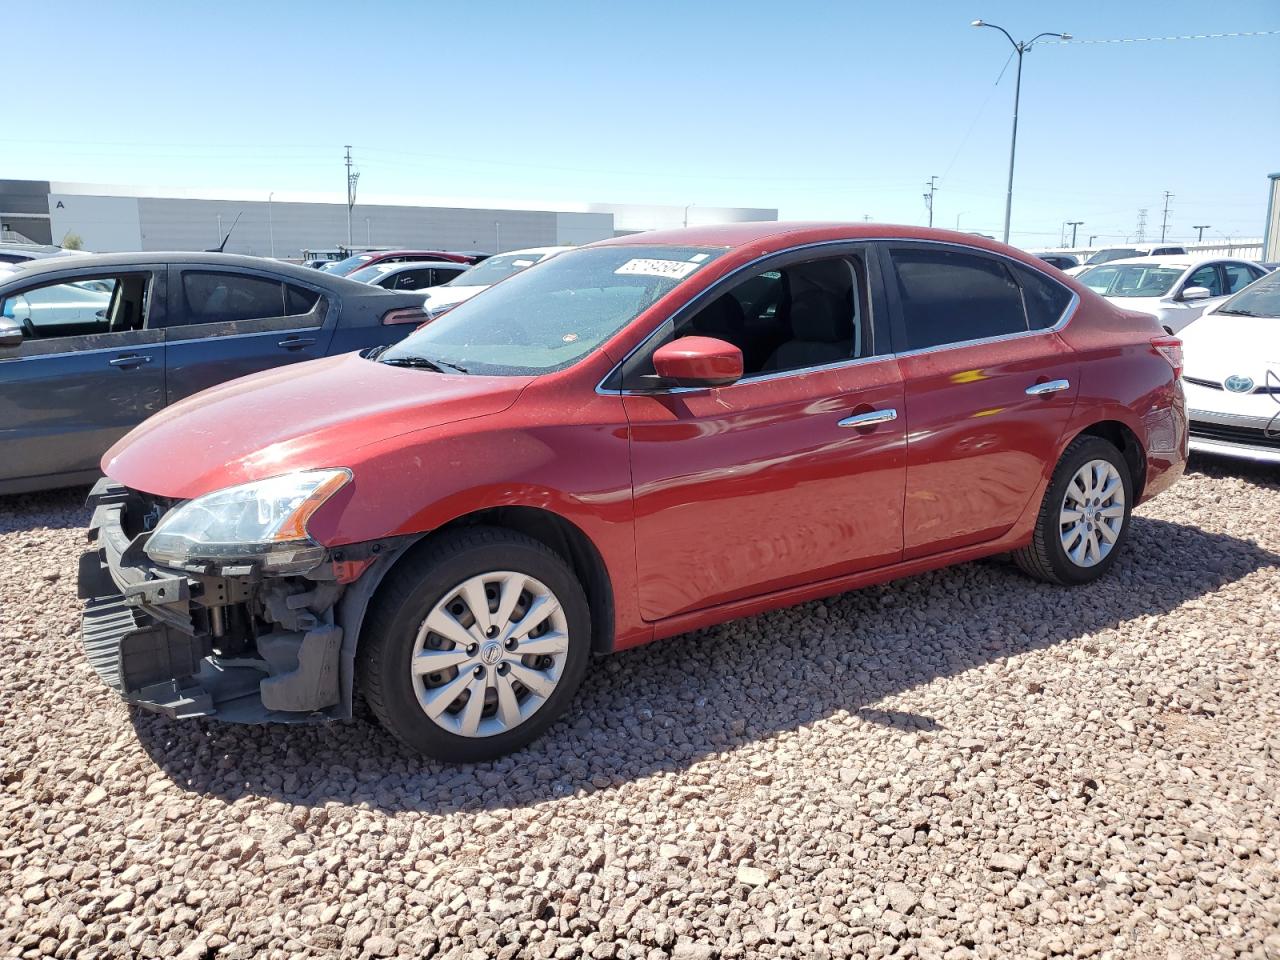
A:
(989, 388)
(225, 323)
(90, 368)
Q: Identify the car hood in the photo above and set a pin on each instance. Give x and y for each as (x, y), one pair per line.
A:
(1220, 345)
(297, 417)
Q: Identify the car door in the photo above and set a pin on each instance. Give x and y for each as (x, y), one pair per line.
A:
(989, 388)
(227, 322)
(794, 473)
(90, 368)
(1180, 312)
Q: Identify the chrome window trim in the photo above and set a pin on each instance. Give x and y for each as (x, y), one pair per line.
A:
(1067, 314)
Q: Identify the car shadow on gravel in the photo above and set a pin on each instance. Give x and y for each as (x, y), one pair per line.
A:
(672, 704)
(46, 510)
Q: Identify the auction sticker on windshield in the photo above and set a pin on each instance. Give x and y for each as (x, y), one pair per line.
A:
(668, 269)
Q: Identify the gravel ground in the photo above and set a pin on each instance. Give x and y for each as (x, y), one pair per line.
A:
(961, 764)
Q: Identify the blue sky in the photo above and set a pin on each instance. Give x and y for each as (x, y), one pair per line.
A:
(823, 110)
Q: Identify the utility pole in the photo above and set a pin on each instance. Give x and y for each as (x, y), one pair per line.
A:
(352, 180)
(1142, 224)
(866, 218)
(1074, 225)
(930, 188)
(1200, 228)
(1164, 221)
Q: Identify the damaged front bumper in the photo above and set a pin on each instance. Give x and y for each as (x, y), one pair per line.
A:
(226, 643)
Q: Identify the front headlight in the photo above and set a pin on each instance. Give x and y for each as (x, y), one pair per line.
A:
(263, 522)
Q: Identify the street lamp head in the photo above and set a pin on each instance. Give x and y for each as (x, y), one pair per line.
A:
(1065, 36)
(977, 23)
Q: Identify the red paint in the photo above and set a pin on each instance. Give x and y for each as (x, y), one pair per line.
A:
(701, 361)
(703, 504)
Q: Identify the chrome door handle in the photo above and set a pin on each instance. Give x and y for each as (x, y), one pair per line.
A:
(129, 360)
(1051, 386)
(869, 419)
(296, 343)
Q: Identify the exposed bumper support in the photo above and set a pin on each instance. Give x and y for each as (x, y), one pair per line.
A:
(149, 632)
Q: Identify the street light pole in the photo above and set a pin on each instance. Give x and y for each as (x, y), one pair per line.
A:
(1200, 228)
(1074, 225)
(1020, 48)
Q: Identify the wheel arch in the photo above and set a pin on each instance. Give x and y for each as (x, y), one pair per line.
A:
(1123, 438)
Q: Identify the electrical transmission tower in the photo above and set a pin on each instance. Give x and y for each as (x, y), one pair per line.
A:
(1142, 224)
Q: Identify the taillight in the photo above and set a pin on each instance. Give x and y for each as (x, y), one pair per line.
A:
(403, 315)
(1171, 349)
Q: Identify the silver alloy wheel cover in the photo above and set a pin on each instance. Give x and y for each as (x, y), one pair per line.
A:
(1092, 513)
(489, 655)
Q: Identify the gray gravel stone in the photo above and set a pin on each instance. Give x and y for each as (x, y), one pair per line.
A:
(961, 764)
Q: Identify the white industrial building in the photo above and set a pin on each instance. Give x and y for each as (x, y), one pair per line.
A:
(120, 218)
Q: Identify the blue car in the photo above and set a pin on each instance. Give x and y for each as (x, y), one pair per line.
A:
(91, 346)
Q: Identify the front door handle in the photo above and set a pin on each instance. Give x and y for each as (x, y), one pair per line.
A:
(869, 419)
(1049, 386)
(129, 360)
(296, 343)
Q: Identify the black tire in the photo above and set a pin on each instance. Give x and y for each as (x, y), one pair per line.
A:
(409, 594)
(1044, 557)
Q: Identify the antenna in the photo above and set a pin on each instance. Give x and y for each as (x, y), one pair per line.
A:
(223, 245)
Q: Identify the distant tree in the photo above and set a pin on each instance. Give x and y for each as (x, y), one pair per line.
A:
(72, 241)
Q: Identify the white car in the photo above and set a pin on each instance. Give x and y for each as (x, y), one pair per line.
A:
(1107, 254)
(1231, 375)
(1174, 290)
(410, 275)
(483, 275)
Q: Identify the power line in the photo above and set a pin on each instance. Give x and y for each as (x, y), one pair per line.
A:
(1188, 36)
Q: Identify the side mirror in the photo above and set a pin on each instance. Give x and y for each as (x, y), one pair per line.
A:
(1196, 293)
(698, 362)
(10, 333)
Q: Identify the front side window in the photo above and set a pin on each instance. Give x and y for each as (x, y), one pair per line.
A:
(951, 297)
(1207, 277)
(1131, 280)
(1238, 276)
(547, 319)
(80, 307)
(217, 297)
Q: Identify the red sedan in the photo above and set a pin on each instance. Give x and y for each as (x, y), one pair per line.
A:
(634, 439)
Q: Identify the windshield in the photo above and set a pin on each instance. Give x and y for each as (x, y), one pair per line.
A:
(1131, 280)
(370, 274)
(1260, 299)
(546, 319)
(494, 269)
(344, 267)
(1114, 253)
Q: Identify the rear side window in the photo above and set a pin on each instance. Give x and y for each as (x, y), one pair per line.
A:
(1238, 276)
(1045, 301)
(952, 297)
(230, 297)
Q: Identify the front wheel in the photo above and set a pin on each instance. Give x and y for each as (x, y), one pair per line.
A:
(1084, 518)
(475, 645)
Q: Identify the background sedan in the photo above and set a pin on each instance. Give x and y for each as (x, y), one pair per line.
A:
(415, 275)
(1175, 290)
(92, 345)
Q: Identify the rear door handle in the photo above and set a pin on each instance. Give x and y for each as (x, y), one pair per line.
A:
(129, 360)
(296, 343)
(1049, 386)
(869, 419)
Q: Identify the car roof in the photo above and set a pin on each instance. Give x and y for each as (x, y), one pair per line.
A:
(109, 260)
(531, 251)
(1181, 261)
(780, 234)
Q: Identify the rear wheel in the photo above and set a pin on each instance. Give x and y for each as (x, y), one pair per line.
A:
(475, 645)
(1084, 518)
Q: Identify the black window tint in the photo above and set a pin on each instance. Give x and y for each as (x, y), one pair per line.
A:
(950, 297)
(299, 301)
(1238, 276)
(413, 279)
(1044, 300)
(226, 297)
